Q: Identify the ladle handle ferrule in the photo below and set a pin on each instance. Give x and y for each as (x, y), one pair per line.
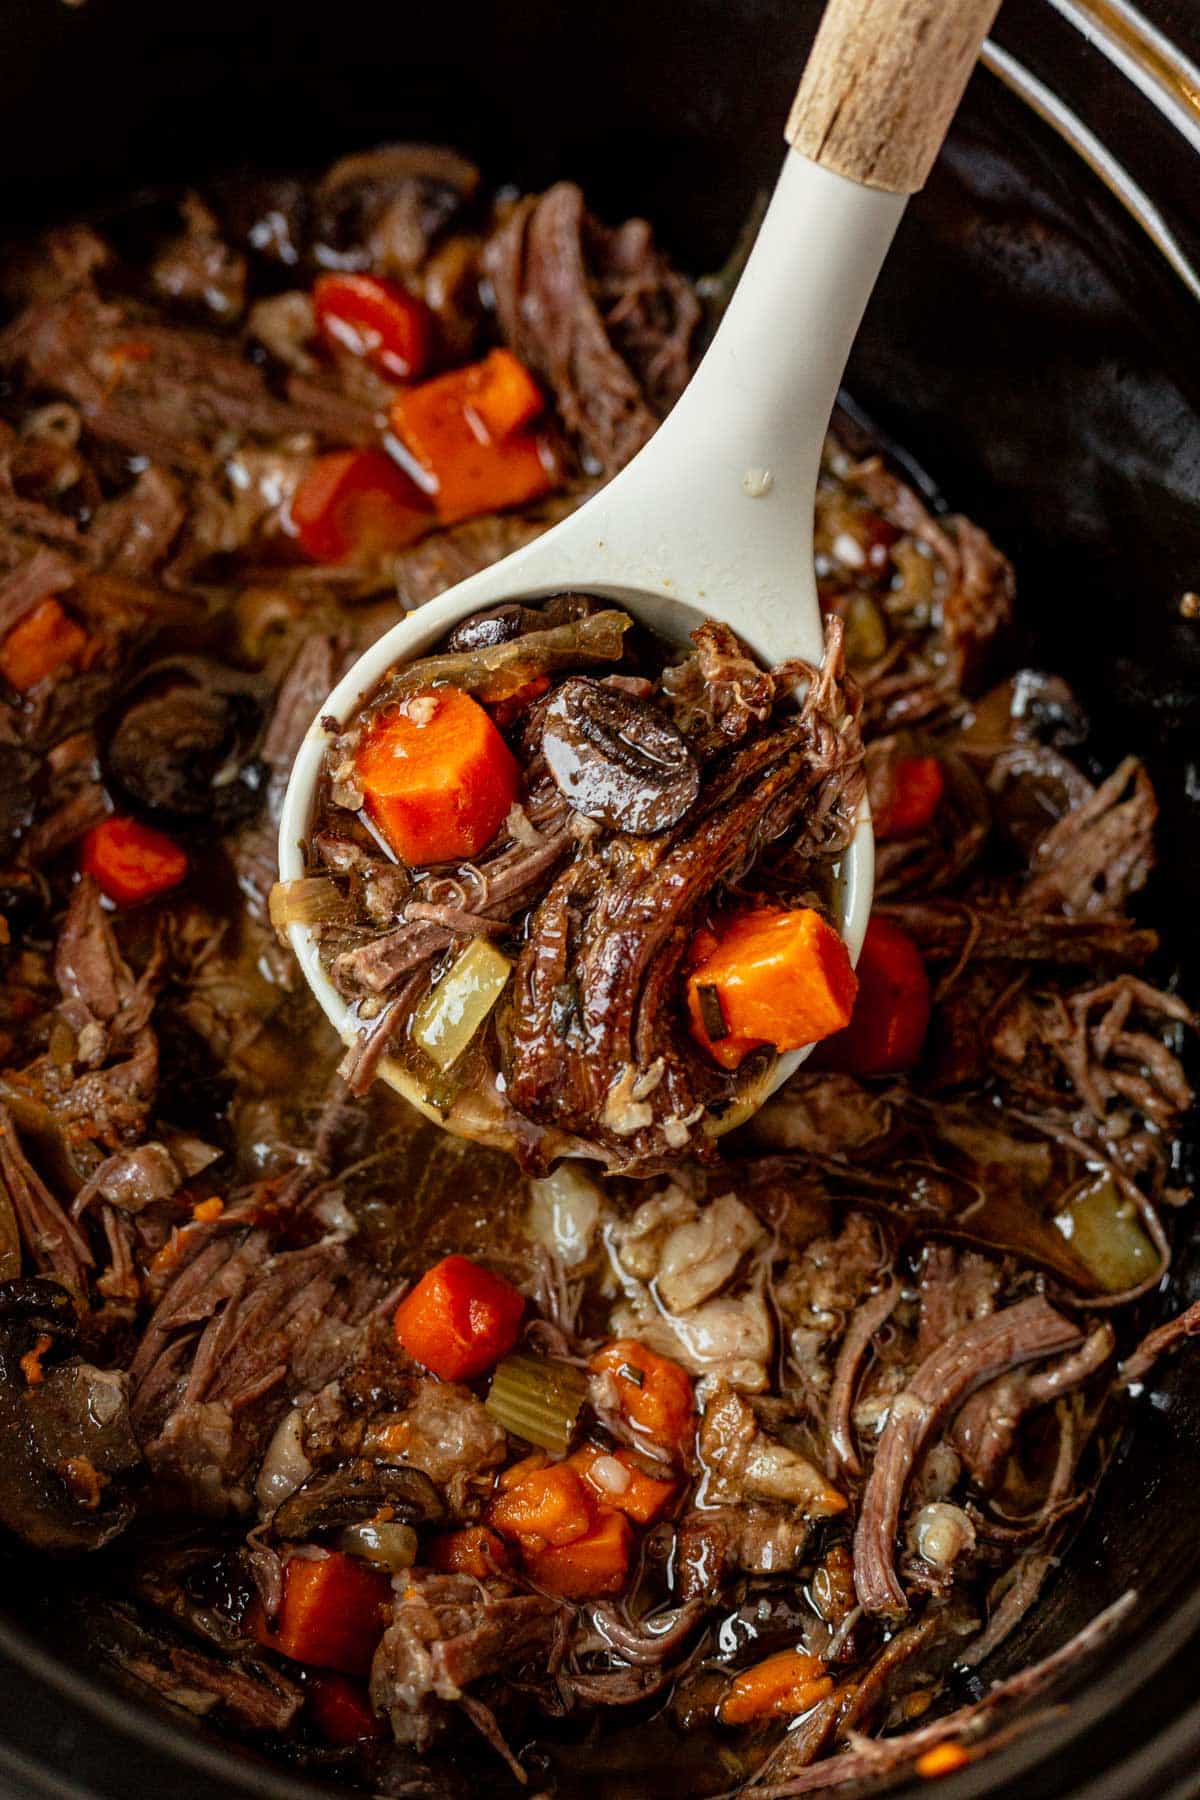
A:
(882, 84)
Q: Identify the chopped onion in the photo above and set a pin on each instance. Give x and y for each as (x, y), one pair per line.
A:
(563, 1209)
(610, 1475)
(452, 1012)
(392, 1546)
(941, 1533)
(539, 1399)
(312, 900)
(285, 1466)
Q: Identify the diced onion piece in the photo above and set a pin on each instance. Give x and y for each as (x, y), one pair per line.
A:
(391, 1546)
(564, 1208)
(452, 1012)
(285, 1466)
(1104, 1229)
(312, 900)
(610, 1475)
(539, 1399)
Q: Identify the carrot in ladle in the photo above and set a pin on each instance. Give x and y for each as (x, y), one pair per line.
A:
(437, 777)
(768, 977)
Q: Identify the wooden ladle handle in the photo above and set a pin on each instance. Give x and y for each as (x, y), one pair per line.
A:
(882, 85)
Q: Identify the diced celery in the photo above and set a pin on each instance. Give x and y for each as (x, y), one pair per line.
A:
(1104, 1229)
(538, 1399)
(452, 1012)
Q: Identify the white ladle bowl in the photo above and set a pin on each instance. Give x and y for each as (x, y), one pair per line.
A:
(714, 517)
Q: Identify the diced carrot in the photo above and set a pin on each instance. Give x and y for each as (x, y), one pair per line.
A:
(625, 1487)
(131, 862)
(514, 1475)
(891, 1015)
(469, 430)
(206, 1211)
(551, 1506)
(356, 506)
(502, 395)
(332, 1615)
(459, 1319)
(589, 1566)
(472, 1551)
(341, 1710)
(943, 1759)
(781, 978)
(377, 320)
(45, 639)
(780, 1687)
(654, 1393)
(31, 1362)
(437, 777)
(915, 785)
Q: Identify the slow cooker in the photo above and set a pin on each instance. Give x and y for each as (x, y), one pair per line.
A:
(1032, 347)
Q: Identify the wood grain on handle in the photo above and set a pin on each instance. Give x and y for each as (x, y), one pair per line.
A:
(882, 85)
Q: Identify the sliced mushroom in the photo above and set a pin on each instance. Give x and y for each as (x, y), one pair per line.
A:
(332, 1500)
(65, 1435)
(617, 759)
(183, 747)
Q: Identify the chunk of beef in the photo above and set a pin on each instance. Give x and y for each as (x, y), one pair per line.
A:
(718, 694)
(1030, 1331)
(1099, 853)
(273, 1327)
(985, 1430)
(306, 685)
(132, 536)
(244, 1690)
(51, 1242)
(101, 1092)
(600, 316)
(961, 931)
(744, 1462)
(821, 1115)
(176, 396)
(42, 572)
(449, 1632)
(444, 558)
(198, 268)
(446, 1433)
(717, 1543)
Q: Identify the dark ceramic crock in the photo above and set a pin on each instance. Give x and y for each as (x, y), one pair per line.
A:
(1033, 344)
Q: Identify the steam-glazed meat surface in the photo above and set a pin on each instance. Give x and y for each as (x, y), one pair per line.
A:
(417, 1468)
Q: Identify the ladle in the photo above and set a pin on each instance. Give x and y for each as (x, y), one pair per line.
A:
(714, 517)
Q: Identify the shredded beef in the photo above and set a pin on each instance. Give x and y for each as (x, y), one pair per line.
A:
(447, 1633)
(600, 316)
(1029, 1331)
(613, 941)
